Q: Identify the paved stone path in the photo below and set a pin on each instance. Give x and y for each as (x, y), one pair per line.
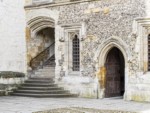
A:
(12, 104)
(81, 110)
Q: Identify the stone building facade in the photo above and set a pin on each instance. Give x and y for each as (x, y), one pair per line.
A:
(12, 44)
(94, 40)
(12, 37)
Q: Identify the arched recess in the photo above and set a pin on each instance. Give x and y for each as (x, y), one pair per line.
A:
(38, 23)
(115, 71)
(42, 37)
(101, 57)
(41, 18)
(106, 45)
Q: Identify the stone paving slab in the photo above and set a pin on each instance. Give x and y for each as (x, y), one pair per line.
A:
(12, 104)
(82, 110)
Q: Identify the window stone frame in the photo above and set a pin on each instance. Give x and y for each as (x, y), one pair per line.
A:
(141, 28)
(67, 29)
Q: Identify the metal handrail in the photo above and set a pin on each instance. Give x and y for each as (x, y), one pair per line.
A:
(39, 60)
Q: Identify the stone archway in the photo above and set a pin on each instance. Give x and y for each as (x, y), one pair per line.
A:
(39, 23)
(114, 84)
(41, 37)
(101, 57)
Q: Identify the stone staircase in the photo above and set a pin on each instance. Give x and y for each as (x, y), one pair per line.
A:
(50, 62)
(46, 72)
(41, 84)
(41, 87)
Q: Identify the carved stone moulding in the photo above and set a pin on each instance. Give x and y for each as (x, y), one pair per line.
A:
(148, 30)
(61, 39)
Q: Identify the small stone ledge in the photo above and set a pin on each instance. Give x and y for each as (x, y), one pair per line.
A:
(2, 93)
(10, 74)
(6, 89)
(10, 81)
(53, 4)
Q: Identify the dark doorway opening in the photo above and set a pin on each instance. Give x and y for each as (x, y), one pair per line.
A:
(115, 73)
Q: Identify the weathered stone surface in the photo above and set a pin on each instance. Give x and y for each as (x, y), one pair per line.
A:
(101, 25)
(7, 85)
(12, 36)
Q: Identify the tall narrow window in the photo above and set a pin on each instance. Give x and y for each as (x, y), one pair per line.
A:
(149, 52)
(76, 53)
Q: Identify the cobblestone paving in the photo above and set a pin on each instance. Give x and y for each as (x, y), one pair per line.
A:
(28, 105)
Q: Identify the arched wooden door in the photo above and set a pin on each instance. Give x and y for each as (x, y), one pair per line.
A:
(114, 73)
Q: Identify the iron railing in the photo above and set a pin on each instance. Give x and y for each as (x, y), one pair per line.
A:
(42, 57)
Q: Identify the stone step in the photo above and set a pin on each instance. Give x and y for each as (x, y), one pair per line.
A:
(48, 74)
(40, 88)
(37, 78)
(44, 95)
(44, 73)
(40, 84)
(42, 91)
(39, 81)
(49, 67)
(40, 78)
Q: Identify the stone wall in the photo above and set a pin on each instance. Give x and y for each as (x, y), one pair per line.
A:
(12, 36)
(147, 7)
(40, 42)
(10, 81)
(138, 85)
(103, 19)
(106, 22)
(101, 25)
(7, 85)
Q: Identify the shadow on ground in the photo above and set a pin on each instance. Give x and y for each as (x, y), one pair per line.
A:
(82, 110)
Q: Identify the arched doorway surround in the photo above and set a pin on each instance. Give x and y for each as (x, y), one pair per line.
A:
(40, 40)
(101, 56)
(39, 23)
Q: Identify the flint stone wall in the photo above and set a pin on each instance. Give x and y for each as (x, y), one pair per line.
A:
(104, 21)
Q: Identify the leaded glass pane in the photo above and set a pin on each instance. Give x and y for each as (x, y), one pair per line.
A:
(76, 54)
